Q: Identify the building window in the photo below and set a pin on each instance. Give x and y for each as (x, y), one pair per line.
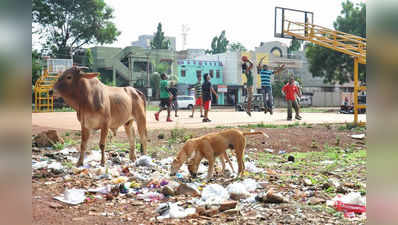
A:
(217, 74)
(198, 73)
(211, 72)
(182, 73)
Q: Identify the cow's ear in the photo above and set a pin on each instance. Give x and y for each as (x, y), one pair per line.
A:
(89, 75)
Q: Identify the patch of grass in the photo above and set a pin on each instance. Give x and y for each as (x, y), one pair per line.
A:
(64, 109)
(68, 164)
(262, 125)
(352, 127)
(152, 108)
(58, 146)
(223, 127)
(178, 135)
(314, 110)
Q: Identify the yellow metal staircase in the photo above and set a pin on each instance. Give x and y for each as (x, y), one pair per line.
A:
(43, 101)
(349, 44)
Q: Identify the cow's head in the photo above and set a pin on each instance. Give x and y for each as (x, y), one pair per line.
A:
(68, 83)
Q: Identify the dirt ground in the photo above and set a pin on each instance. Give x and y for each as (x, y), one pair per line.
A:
(45, 210)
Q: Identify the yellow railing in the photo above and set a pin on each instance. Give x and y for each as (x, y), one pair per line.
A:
(44, 102)
(349, 44)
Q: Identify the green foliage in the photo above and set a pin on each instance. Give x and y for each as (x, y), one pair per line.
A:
(36, 66)
(90, 59)
(295, 45)
(334, 66)
(236, 47)
(70, 24)
(155, 83)
(159, 41)
(219, 44)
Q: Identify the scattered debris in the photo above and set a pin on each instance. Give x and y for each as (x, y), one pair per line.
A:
(358, 136)
(271, 197)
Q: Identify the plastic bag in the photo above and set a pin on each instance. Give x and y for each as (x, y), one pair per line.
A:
(150, 196)
(214, 194)
(237, 191)
(145, 161)
(350, 203)
(250, 184)
(72, 196)
(172, 210)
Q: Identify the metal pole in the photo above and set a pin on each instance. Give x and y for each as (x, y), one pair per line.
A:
(283, 22)
(356, 90)
(114, 75)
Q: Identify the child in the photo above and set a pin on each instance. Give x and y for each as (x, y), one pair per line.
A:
(290, 90)
(173, 90)
(198, 96)
(207, 91)
(265, 75)
(165, 97)
(247, 70)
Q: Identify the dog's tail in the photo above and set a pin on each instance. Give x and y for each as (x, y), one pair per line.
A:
(256, 132)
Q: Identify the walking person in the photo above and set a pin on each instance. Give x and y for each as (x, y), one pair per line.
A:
(247, 67)
(207, 91)
(290, 90)
(173, 90)
(165, 97)
(266, 86)
(198, 96)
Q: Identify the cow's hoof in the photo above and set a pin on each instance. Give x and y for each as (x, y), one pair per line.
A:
(79, 163)
(133, 158)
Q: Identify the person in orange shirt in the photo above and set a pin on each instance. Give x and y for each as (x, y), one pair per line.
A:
(289, 91)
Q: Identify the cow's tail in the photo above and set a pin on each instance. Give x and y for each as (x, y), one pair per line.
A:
(143, 99)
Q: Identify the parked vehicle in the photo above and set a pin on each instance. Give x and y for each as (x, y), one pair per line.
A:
(305, 101)
(350, 108)
(257, 103)
(185, 101)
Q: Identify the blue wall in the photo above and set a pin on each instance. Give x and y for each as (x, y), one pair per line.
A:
(192, 66)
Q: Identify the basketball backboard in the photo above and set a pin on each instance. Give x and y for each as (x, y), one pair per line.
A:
(285, 14)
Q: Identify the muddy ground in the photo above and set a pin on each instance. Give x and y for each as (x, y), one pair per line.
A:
(300, 138)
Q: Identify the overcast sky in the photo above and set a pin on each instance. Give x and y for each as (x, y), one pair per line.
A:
(249, 22)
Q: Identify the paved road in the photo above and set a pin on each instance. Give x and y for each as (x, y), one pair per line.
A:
(68, 120)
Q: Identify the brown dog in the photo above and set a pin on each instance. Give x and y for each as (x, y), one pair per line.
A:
(211, 146)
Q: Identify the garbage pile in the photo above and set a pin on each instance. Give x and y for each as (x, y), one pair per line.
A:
(147, 180)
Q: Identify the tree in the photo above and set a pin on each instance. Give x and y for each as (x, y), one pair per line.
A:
(69, 24)
(36, 66)
(334, 66)
(295, 45)
(219, 44)
(90, 59)
(159, 41)
(236, 47)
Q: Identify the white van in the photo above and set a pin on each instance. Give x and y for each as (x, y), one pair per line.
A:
(185, 101)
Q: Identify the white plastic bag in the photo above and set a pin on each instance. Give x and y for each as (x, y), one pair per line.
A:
(237, 191)
(72, 196)
(214, 194)
(250, 184)
(145, 161)
(174, 211)
(354, 198)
